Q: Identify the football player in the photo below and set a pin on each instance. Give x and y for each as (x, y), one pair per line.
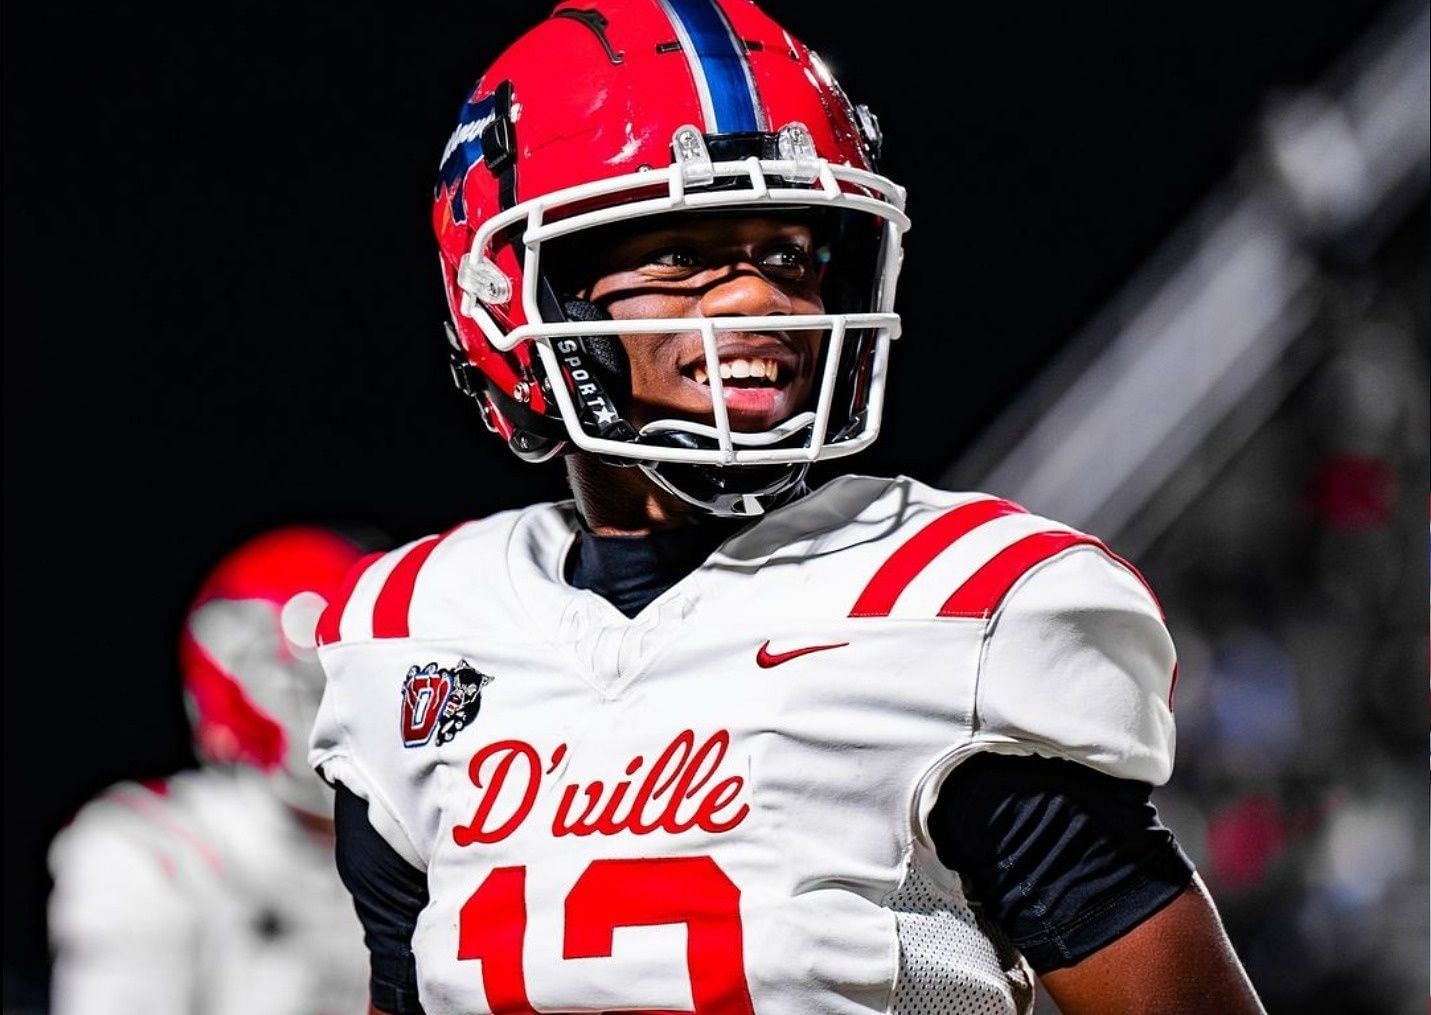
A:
(730, 743)
(214, 891)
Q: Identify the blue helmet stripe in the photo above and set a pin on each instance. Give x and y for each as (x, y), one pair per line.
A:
(719, 64)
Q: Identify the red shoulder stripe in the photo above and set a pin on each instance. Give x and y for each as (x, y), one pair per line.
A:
(390, 611)
(333, 612)
(981, 594)
(894, 576)
(986, 587)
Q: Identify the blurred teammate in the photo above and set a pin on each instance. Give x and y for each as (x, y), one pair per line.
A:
(214, 891)
(703, 738)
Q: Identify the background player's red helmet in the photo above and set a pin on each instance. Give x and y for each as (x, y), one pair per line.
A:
(631, 108)
(250, 690)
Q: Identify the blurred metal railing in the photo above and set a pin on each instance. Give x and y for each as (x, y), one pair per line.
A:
(1200, 347)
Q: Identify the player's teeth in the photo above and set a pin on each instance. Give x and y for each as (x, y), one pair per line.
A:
(740, 369)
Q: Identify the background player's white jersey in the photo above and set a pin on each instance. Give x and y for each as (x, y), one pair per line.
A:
(719, 805)
(200, 895)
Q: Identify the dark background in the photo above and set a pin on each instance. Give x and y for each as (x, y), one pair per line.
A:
(222, 308)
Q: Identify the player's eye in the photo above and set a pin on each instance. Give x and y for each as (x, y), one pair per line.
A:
(670, 262)
(789, 261)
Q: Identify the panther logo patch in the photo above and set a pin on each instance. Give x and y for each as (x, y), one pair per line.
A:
(445, 699)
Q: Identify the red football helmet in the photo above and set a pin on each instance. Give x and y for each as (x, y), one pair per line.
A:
(251, 689)
(652, 107)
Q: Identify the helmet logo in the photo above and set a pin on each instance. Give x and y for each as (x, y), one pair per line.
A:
(464, 150)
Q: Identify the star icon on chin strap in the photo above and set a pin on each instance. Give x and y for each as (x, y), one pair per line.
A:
(605, 415)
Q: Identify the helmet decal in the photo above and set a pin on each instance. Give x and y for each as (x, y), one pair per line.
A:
(463, 151)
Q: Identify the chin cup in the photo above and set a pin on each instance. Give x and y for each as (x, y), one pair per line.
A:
(727, 491)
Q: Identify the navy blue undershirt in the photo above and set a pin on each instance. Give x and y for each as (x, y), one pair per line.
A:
(1062, 858)
(631, 571)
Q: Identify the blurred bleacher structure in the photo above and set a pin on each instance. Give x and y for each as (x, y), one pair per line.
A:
(1247, 420)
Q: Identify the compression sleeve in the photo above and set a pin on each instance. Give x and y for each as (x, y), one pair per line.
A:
(388, 894)
(1063, 858)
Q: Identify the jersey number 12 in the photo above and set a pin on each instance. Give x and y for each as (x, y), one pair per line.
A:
(615, 893)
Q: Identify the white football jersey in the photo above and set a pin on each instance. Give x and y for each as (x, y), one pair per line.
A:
(200, 895)
(719, 806)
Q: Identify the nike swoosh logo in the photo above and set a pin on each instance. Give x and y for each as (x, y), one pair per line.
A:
(764, 658)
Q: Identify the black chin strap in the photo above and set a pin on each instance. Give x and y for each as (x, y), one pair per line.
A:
(728, 491)
(745, 491)
(595, 368)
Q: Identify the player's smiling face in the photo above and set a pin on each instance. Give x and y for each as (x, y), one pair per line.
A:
(716, 266)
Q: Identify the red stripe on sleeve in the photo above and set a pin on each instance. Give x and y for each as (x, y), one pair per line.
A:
(983, 590)
(894, 576)
(328, 623)
(981, 594)
(390, 618)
